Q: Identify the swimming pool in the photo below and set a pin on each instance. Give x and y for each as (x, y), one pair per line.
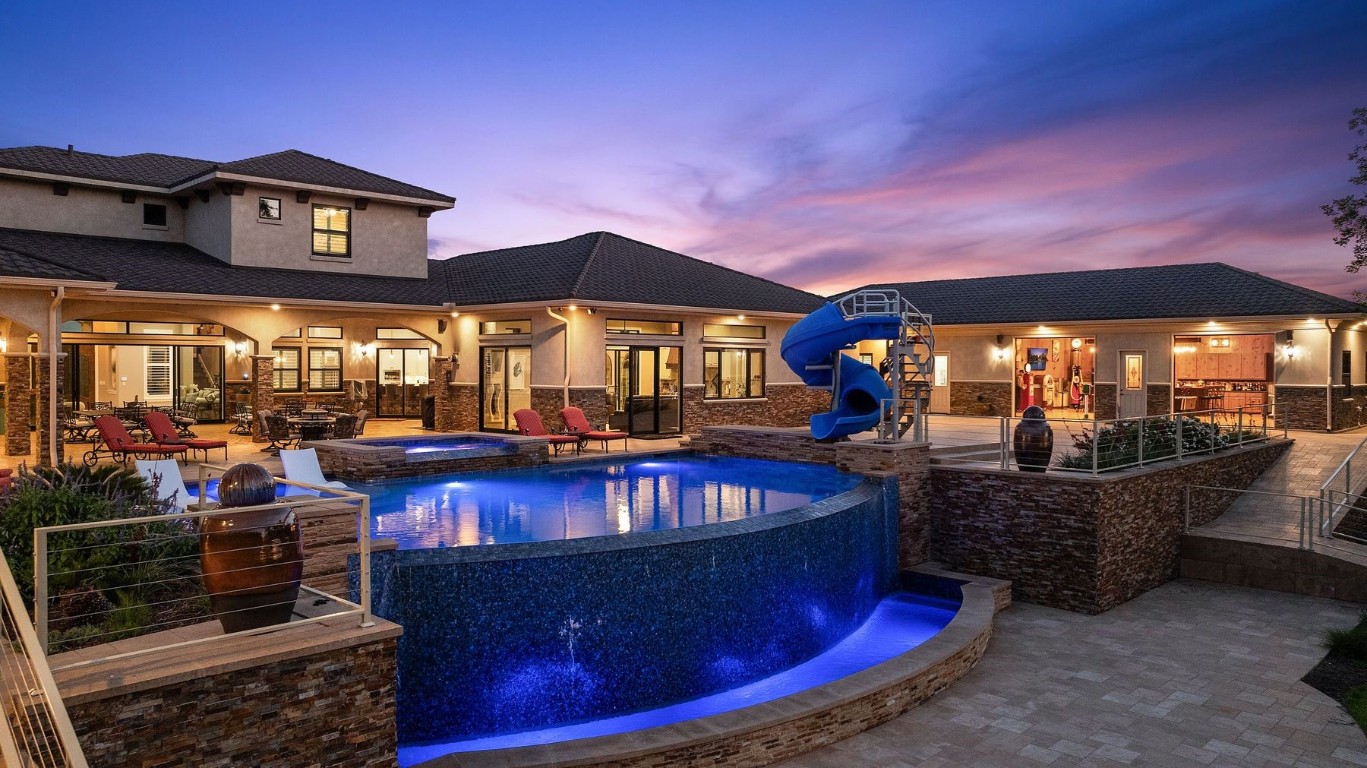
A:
(569, 501)
(532, 599)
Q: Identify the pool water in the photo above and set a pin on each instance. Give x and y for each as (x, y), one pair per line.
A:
(557, 502)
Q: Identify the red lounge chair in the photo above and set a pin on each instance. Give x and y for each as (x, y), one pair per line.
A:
(6, 479)
(164, 432)
(119, 445)
(529, 423)
(577, 424)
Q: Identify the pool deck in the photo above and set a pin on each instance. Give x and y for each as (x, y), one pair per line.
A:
(1191, 673)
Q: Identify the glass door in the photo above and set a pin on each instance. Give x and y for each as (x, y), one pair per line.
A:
(505, 386)
(655, 401)
(401, 375)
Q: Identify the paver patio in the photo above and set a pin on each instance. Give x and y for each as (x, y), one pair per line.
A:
(1192, 673)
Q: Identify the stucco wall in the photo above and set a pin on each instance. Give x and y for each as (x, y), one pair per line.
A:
(85, 211)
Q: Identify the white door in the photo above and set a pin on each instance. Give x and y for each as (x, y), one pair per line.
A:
(939, 388)
(1133, 393)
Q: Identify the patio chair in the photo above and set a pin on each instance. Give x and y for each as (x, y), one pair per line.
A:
(301, 466)
(361, 416)
(278, 430)
(345, 427)
(119, 445)
(6, 479)
(164, 475)
(75, 428)
(529, 424)
(184, 417)
(164, 432)
(578, 424)
(242, 419)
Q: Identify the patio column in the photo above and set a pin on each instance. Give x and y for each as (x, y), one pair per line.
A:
(263, 392)
(17, 439)
(45, 367)
(441, 394)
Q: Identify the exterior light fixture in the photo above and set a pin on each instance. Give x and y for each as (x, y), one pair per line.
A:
(275, 307)
(240, 347)
(455, 314)
(591, 311)
(740, 317)
(573, 307)
(999, 353)
(1289, 350)
(4, 346)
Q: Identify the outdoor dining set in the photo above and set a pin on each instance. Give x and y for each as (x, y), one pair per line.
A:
(296, 423)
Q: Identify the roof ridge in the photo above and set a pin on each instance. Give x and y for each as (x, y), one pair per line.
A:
(718, 266)
(344, 165)
(583, 272)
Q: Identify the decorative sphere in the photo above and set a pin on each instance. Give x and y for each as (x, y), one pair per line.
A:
(246, 485)
(1034, 412)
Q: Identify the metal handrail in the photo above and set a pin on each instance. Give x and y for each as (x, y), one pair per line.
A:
(361, 609)
(1345, 468)
(1305, 538)
(40, 733)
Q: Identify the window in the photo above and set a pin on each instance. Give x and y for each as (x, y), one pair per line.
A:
(732, 373)
(153, 215)
(286, 374)
(733, 331)
(325, 332)
(158, 371)
(396, 333)
(325, 368)
(268, 209)
(142, 327)
(1346, 373)
(494, 327)
(331, 231)
(653, 327)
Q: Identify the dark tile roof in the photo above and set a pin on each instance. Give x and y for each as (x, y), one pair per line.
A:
(602, 266)
(301, 167)
(139, 265)
(170, 171)
(1179, 291)
(146, 169)
(16, 264)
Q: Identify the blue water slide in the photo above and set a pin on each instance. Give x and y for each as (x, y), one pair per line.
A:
(813, 341)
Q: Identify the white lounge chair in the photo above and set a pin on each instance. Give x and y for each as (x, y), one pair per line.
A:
(165, 475)
(301, 466)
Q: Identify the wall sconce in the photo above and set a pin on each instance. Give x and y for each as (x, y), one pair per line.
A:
(1289, 350)
(4, 346)
(240, 347)
(999, 353)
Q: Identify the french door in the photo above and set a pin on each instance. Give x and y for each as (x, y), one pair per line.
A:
(645, 388)
(505, 386)
(401, 375)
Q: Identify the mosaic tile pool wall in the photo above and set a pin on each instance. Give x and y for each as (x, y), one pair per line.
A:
(512, 637)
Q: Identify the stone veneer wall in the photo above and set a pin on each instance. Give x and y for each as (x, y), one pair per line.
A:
(1300, 407)
(458, 409)
(1350, 406)
(980, 398)
(18, 439)
(1273, 567)
(908, 462)
(1105, 403)
(1073, 541)
(362, 461)
(594, 404)
(783, 405)
(1159, 399)
(263, 392)
(547, 402)
(333, 707)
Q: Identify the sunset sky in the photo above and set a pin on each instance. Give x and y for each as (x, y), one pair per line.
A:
(823, 145)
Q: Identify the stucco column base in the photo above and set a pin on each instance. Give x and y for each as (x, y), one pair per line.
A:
(18, 441)
(263, 392)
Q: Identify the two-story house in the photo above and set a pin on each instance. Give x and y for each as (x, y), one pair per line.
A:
(225, 287)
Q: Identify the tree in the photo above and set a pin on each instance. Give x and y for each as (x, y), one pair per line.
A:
(1349, 213)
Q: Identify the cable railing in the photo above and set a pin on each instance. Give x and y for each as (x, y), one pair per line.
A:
(37, 730)
(1344, 488)
(1278, 508)
(97, 583)
(1097, 446)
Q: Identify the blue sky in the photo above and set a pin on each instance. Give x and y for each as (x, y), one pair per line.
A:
(825, 145)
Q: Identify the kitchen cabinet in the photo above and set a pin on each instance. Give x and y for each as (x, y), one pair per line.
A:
(1207, 366)
(1230, 367)
(1184, 366)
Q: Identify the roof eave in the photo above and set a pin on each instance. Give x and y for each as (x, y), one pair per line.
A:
(624, 305)
(84, 181)
(212, 176)
(161, 296)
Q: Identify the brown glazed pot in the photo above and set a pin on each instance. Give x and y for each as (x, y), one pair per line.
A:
(252, 561)
(1033, 441)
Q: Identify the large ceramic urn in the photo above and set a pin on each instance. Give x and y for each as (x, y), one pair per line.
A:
(1033, 440)
(252, 561)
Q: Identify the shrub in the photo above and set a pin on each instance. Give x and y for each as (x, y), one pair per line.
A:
(1118, 443)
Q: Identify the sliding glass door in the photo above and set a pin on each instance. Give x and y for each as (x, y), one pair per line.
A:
(645, 388)
(402, 378)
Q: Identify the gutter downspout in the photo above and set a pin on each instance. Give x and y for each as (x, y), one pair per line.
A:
(54, 347)
(565, 388)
